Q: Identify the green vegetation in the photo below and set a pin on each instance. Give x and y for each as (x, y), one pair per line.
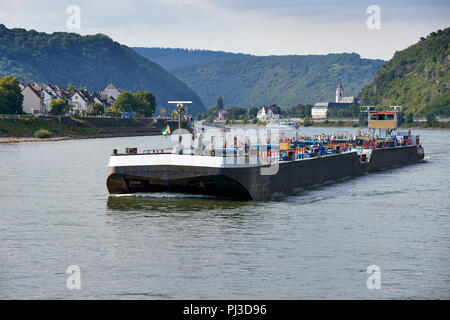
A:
(113, 112)
(209, 115)
(97, 109)
(282, 80)
(42, 133)
(71, 87)
(307, 122)
(11, 97)
(236, 113)
(58, 107)
(299, 111)
(171, 58)
(142, 102)
(253, 112)
(417, 78)
(28, 126)
(352, 111)
(219, 103)
(92, 61)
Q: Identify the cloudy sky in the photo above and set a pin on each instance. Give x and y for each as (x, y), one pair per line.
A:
(260, 27)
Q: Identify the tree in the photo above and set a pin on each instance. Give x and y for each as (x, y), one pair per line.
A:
(58, 107)
(400, 118)
(237, 113)
(162, 111)
(125, 102)
(113, 112)
(11, 97)
(142, 102)
(409, 117)
(431, 120)
(307, 122)
(219, 103)
(146, 103)
(253, 112)
(98, 109)
(71, 87)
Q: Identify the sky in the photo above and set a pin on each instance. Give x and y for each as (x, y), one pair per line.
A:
(260, 27)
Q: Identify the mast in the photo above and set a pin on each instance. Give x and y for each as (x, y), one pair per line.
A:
(180, 110)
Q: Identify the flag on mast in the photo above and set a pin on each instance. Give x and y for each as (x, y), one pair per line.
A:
(166, 131)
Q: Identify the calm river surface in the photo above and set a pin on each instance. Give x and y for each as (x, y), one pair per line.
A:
(55, 211)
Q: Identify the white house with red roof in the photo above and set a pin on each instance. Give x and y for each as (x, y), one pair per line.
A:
(32, 102)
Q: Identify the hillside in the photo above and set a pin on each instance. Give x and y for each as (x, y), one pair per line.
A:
(417, 78)
(92, 61)
(283, 80)
(171, 58)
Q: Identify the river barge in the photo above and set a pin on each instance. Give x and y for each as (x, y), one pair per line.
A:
(241, 165)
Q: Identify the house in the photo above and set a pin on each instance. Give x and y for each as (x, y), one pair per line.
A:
(81, 101)
(37, 98)
(56, 91)
(51, 92)
(32, 101)
(320, 109)
(222, 114)
(47, 96)
(36, 86)
(110, 91)
(106, 101)
(268, 113)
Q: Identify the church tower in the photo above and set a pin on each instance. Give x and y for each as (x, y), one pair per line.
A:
(339, 93)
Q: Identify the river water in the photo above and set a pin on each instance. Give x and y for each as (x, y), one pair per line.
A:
(55, 212)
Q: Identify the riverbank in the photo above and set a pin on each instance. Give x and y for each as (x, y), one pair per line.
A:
(73, 137)
(25, 128)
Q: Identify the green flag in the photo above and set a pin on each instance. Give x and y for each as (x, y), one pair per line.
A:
(166, 130)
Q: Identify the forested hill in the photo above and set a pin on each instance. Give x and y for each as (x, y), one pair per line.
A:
(171, 58)
(283, 80)
(417, 78)
(91, 61)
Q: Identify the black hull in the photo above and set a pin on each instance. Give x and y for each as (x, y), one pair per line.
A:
(247, 183)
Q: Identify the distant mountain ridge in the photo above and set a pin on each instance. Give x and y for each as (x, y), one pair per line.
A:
(172, 58)
(90, 61)
(417, 78)
(283, 80)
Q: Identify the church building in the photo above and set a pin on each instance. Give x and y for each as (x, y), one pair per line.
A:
(320, 109)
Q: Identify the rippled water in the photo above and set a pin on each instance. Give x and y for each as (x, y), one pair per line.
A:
(55, 211)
